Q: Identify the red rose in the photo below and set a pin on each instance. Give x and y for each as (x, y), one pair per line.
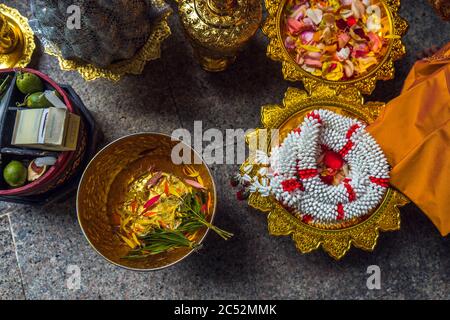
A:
(333, 160)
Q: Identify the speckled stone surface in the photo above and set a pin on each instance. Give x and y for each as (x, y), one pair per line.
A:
(10, 279)
(172, 93)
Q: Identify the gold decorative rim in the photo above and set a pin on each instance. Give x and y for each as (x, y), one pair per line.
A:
(366, 84)
(27, 35)
(336, 242)
(150, 51)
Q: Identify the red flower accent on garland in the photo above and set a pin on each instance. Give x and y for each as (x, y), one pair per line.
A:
(343, 152)
(327, 179)
(297, 130)
(380, 181)
(292, 185)
(307, 218)
(350, 191)
(340, 211)
(352, 130)
(307, 173)
(314, 115)
(333, 160)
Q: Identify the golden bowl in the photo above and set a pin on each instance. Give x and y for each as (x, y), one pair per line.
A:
(276, 50)
(336, 240)
(21, 53)
(104, 184)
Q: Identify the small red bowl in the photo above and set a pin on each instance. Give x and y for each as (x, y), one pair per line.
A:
(52, 175)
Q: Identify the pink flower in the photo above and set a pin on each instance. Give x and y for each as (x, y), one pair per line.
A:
(298, 13)
(294, 26)
(375, 42)
(343, 39)
(307, 21)
(307, 36)
(360, 50)
(314, 55)
(313, 63)
(289, 43)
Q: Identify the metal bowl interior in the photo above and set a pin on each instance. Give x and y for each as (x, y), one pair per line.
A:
(104, 182)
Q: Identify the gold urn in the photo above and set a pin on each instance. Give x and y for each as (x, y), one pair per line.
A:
(218, 29)
(16, 39)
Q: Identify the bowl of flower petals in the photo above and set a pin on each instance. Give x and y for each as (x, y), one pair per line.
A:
(336, 41)
(142, 207)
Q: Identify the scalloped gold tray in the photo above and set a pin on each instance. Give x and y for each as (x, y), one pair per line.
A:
(20, 57)
(366, 83)
(150, 51)
(337, 241)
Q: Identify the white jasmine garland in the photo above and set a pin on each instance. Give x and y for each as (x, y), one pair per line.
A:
(361, 191)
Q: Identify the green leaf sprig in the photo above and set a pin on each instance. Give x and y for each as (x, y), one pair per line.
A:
(192, 219)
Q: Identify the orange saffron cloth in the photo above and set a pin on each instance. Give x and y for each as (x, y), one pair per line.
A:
(414, 132)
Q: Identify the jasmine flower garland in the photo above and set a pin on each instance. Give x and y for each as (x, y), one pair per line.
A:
(329, 169)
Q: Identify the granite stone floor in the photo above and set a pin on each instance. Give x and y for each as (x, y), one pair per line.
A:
(39, 245)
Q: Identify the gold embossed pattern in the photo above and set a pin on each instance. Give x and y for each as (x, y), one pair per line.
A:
(366, 84)
(336, 241)
(220, 32)
(217, 37)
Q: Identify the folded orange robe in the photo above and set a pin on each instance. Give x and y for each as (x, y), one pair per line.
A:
(414, 132)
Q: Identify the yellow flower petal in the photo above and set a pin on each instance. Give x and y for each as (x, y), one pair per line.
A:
(310, 48)
(336, 74)
(130, 243)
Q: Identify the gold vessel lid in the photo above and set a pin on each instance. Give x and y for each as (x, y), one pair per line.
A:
(231, 20)
(365, 83)
(16, 39)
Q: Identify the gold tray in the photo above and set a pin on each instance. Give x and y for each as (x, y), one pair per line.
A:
(150, 51)
(20, 57)
(337, 241)
(366, 83)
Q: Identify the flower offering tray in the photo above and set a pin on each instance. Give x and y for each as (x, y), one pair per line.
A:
(335, 239)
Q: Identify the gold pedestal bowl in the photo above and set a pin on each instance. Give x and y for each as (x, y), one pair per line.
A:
(393, 28)
(104, 185)
(16, 39)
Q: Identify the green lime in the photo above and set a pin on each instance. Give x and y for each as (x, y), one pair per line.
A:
(37, 100)
(15, 174)
(29, 83)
